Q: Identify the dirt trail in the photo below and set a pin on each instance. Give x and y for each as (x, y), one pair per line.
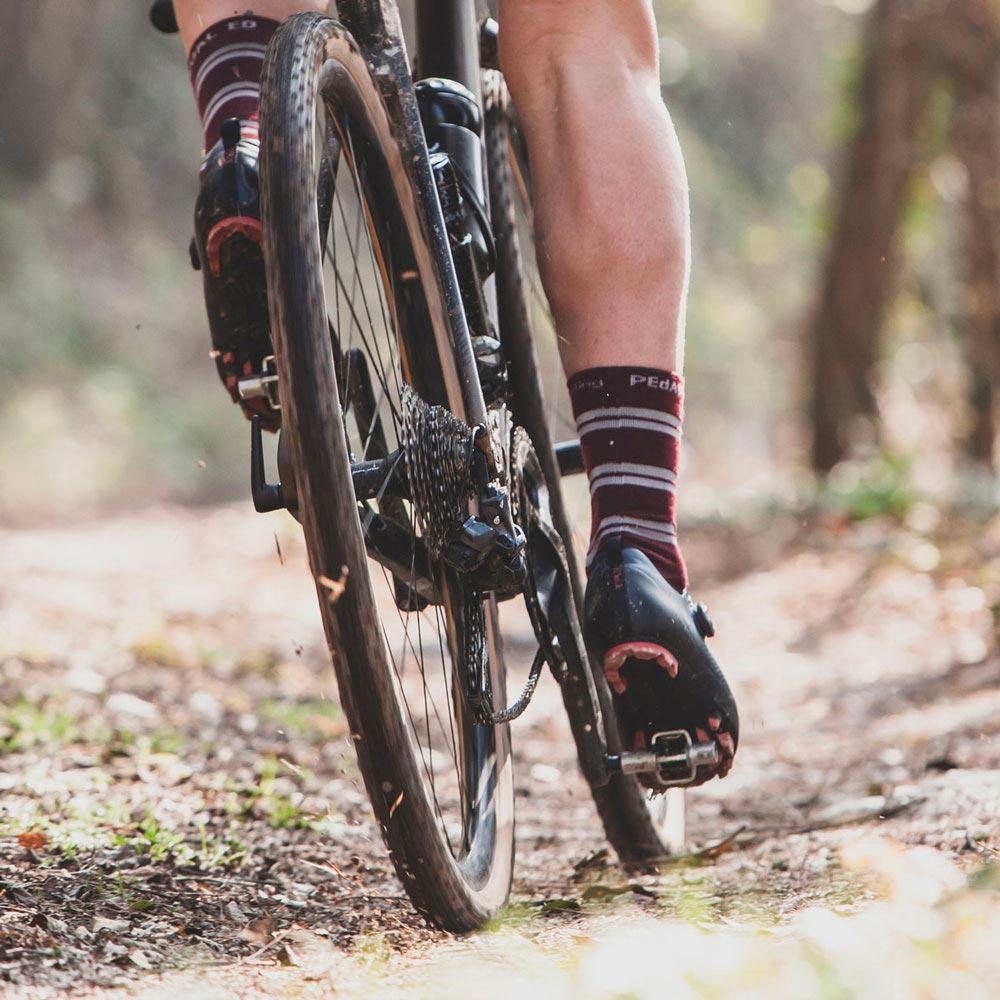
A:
(168, 727)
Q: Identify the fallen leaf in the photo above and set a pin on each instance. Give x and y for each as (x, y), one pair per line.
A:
(558, 905)
(605, 891)
(110, 925)
(334, 588)
(641, 890)
(258, 931)
(395, 805)
(286, 956)
(32, 841)
(136, 957)
(596, 859)
(727, 844)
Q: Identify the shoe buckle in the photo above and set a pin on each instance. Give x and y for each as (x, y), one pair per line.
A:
(263, 385)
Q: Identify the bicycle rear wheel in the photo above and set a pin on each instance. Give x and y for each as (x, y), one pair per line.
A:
(357, 313)
(639, 830)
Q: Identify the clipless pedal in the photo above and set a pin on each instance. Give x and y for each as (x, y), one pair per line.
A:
(673, 757)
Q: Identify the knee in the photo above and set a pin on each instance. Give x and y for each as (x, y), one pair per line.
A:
(542, 39)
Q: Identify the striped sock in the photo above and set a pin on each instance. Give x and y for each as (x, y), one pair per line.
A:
(629, 421)
(225, 64)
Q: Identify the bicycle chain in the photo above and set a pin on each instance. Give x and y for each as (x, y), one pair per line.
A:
(546, 652)
(438, 448)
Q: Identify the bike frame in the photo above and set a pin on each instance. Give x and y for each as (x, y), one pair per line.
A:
(448, 41)
(448, 46)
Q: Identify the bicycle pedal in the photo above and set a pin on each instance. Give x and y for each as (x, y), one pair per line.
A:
(674, 758)
(263, 385)
(492, 368)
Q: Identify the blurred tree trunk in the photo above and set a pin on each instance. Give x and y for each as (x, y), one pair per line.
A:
(910, 46)
(857, 280)
(23, 114)
(39, 68)
(974, 64)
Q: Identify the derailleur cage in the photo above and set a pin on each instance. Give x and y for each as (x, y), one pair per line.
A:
(488, 548)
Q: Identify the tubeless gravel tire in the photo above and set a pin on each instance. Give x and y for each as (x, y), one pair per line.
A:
(325, 120)
(632, 823)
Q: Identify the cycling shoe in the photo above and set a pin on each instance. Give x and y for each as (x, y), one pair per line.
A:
(227, 250)
(650, 640)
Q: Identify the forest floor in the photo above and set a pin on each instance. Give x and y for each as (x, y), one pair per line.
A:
(181, 815)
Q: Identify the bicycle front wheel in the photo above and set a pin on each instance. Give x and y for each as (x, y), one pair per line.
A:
(357, 311)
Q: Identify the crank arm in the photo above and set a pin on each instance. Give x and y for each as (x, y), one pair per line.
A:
(558, 624)
(382, 479)
(674, 759)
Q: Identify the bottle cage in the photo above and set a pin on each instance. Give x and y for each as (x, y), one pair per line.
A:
(162, 16)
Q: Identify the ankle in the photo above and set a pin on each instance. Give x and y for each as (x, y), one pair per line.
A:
(629, 420)
(225, 64)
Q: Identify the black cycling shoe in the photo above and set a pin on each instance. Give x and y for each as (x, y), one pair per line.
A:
(227, 250)
(650, 641)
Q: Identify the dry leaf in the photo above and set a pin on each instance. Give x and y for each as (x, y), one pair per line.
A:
(259, 931)
(137, 957)
(285, 955)
(334, 588)
(33, 841)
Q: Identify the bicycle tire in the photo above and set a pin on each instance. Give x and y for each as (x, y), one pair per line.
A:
(315, 73)
(622, 805)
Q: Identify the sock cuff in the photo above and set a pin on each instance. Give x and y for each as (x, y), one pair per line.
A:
(225, 64)
(249, 30)
(627, 386)
(629, 419)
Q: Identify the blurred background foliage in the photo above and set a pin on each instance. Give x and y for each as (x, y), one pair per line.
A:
(107, 394)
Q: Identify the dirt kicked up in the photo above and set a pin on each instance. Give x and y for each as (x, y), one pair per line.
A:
(181, 815)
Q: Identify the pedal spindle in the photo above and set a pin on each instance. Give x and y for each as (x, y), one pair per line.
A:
(673, 757)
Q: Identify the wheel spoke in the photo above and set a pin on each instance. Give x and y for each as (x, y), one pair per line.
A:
(362, 296)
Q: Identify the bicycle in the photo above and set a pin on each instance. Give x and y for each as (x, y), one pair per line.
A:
(416, 443)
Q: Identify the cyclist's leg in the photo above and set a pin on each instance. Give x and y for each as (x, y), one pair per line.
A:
(608, 178)
(194, 16)
(225, 43)
(611, 213)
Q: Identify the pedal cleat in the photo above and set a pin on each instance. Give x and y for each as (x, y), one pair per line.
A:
(263, 385)
(673, 760)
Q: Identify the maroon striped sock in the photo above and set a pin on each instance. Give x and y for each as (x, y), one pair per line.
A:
(629, 420)
(225, 64)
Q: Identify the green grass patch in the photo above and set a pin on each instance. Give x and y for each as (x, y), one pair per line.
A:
(314, 720)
